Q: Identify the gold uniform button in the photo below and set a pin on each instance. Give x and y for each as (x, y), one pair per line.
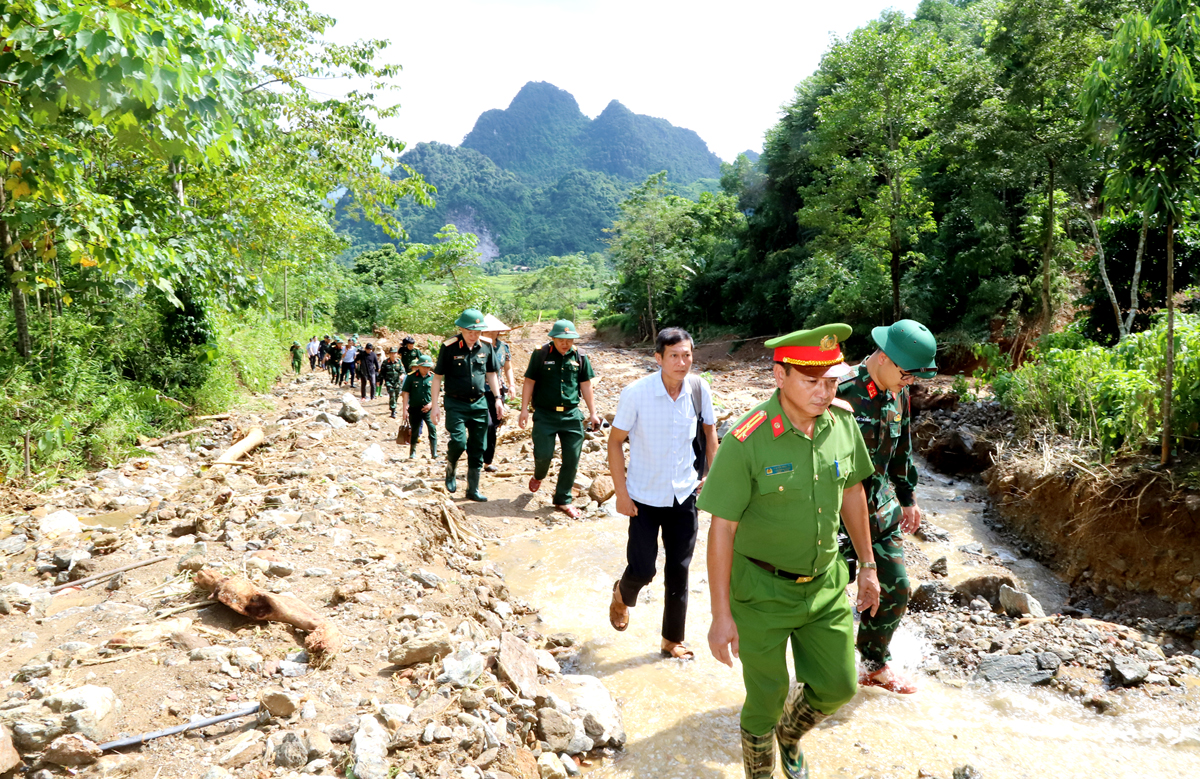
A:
(818, 511)
(816, 477)
(781, 488)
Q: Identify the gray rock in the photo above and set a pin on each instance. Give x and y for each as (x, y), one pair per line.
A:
(986, 587)
(940, 567)
(89, 709)
(967, 772)
(216, 772)
(14, 544)
(931, 533)
(421, 648)
(462, 668)
(72, 750)
(569, 765)
(319, 744)
(601, 717)
(317, 572)
(555, 728)
(343, 732)
(1019, 604)
(33, 670)
(1127, 672)
(1016, 669)
(336, 422)
(193, 559)
(65, 559)
(370, 745)
(395, 714)
(290, 751)
(34, 735)
(352, 410)
(1048, 661)
(426, 579)
(518, 664)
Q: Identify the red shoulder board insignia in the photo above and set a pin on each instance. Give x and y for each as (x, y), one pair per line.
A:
(871, 390)
(743, 431)
(844, 405)
(777, 425)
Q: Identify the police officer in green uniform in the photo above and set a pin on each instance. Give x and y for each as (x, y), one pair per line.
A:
(557, 376)
(409, 353)
(878, 391)
(418, 403)
(391, 375)
(779, 481)
(467, 366)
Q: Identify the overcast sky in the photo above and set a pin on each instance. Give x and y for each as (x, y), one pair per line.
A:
(722, 69)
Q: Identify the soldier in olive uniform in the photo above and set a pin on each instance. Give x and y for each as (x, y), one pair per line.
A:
(391, 375)
(297, 356)
(557, 376)
(776, 488)
(409, 353)
(333, 357)
(467, 366)
(418, 402)
(878, 391)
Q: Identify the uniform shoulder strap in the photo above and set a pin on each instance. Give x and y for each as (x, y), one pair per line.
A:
(449, 341)
(844, 405)
(749, 425)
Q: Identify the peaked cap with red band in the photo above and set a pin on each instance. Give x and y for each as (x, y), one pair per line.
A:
(816, 348)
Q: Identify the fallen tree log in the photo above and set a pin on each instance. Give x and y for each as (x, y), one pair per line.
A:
(324, 639)
(173, 436)
(230, 456)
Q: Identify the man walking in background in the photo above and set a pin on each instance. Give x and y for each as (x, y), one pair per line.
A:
(348, 356)
(878, 391)
(313, 348)
(297, 356)
(557, 377)
(368, 368)
(496, 329)
(391, 375)
(409, 353)
(661, 415)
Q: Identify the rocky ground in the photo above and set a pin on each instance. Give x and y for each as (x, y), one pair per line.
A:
(374, 638)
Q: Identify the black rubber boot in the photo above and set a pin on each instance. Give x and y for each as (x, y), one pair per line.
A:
(451, 481)
(473, 492)
(758, 755)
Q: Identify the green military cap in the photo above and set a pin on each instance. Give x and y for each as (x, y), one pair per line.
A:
(470, 319)
(393, 350)
(295, 343)
(563, 328)
(425, 362)
(815, 348)
(910, 345)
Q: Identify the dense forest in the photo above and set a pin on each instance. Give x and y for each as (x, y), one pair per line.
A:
(540, 179)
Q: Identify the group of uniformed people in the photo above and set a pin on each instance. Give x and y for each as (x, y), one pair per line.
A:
(812, 484)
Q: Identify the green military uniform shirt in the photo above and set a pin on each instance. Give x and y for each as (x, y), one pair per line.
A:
(884, 420)
(391, 373)
(557, 378)
(408, 357)
(784, 489)
(464, 371)
(419, 389)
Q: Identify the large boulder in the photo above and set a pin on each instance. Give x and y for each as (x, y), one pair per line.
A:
(89, 710)
(1128, 672)
(601, 716)
(352, 410)
(518, 664)
(72, 750)
(555, 728)
(602, 488)
(1019, 604)
(986, 587)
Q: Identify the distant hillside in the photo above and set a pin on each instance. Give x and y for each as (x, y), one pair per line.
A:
(539, 178)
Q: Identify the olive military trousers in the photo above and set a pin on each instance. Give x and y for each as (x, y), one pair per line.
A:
(875, 633)
(466, 428)
(815, 617)
(567, 428)
(415, 420)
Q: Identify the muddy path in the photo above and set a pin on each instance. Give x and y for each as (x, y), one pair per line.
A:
(425, 587)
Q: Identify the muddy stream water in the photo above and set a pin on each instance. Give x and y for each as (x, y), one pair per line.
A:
(682, 717)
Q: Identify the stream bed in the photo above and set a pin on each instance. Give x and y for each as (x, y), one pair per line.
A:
(682, 717)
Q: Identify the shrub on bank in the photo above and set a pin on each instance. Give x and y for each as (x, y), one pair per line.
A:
(1110, 398)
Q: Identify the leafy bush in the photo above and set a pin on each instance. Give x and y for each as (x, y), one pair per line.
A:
(624, 323)
(1110, 397)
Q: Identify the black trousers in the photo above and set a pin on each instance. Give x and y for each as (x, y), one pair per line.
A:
(365, 379)
(494, 422)
(679, 524)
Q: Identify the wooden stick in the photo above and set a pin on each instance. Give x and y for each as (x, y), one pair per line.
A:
(185, 607)
(216, 416)
(239, 450)
(173, 436)
(106, 574)
(105, 660)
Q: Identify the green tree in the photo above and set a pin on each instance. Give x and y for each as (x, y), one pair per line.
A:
(560, 283)
(871, 140)
(1148, 91)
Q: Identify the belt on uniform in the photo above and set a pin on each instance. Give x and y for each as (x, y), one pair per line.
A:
(549, 408)
(797, 578)
(464, 398)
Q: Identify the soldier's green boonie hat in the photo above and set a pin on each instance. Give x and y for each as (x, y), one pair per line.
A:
(470, 319)
(910, 345)
(816, 348)
(425, 362)
(563, 328)
(393, 350)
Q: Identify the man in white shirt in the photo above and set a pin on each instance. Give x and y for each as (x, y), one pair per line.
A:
(313, 348)
(347, 371)
(659, 415)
